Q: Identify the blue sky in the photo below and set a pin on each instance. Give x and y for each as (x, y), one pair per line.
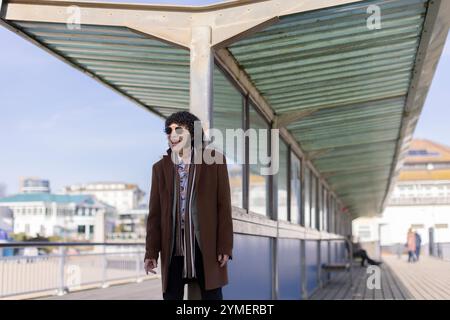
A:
(58, 124)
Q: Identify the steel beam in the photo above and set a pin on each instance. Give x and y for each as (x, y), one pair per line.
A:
(229, 21)
(201, 75)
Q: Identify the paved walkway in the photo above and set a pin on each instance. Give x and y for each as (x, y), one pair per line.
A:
(145, 290)
(427, 279)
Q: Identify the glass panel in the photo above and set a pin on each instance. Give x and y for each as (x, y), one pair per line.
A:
(333, 216)
(325, 209)
(258, 150)
(307, 211)
(228, 114)
(295, 188)
(320, 206)
(313, 200)
(282, 179)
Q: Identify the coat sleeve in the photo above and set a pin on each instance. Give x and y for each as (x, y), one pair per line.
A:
(153, 237)
(225, 221)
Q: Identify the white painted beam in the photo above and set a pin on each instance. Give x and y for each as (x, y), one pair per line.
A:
(228, 21)
(201, 75)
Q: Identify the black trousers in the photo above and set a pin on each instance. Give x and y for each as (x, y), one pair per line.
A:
(364, 256)
(176, 282)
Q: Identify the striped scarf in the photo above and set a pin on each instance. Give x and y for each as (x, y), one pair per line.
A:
(184, 226)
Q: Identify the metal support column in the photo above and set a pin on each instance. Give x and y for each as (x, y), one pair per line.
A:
(201, 75)
(201, 93)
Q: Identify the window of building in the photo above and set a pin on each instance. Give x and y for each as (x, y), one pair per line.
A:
(81, 229)
(364, 232)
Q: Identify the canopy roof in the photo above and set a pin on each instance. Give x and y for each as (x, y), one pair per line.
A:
(349, 94)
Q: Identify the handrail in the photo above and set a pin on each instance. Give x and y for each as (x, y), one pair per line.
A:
(16, 244)
(61, 271)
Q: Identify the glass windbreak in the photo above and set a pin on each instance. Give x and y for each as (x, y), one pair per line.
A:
(258, 201)
(325, 209)
(282, 179)
(296, 193)
(313, 201)
(227, 119)
(307, 211)
(331, 227)
(320, 205)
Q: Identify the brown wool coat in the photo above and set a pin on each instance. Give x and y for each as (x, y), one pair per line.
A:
(211, 215)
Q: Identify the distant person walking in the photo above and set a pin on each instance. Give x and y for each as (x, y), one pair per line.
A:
(411, 245)
(418, 245)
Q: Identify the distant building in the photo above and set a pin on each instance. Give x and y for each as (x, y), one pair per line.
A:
(75, 217)
(132, 223)
(122, 196)
(420, 199)
(34, 185)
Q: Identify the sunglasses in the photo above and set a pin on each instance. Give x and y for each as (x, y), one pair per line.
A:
(178, 130)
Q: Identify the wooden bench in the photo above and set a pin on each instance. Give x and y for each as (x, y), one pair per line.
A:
(342, 266)
(336, 266)
(339, 267)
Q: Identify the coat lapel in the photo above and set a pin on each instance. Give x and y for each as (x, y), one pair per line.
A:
(168, 173)
(198, 166)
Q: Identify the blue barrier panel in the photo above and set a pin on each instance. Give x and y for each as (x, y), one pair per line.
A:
(250, 271)
(324, 259)
(289, 269)
(311, 255)
(341, 251)
(333, 255)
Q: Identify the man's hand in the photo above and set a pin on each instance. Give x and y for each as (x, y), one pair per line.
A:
(149, 265)
(222, 258)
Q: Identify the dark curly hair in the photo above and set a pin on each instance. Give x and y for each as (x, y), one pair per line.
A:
(184, 118)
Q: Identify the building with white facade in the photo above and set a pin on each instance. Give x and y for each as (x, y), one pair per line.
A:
(420, 200)
(131, 224)
(122, 196)
(72, 217)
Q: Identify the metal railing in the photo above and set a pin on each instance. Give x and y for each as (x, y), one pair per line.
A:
(58, 268)
(441, 250)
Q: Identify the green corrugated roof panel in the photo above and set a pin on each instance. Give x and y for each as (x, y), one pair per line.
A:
(150, 71)
(353, 80)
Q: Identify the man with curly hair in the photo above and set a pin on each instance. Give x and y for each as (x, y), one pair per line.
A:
(189, 223)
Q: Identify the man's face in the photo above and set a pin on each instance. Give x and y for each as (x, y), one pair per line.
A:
(178, 136)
